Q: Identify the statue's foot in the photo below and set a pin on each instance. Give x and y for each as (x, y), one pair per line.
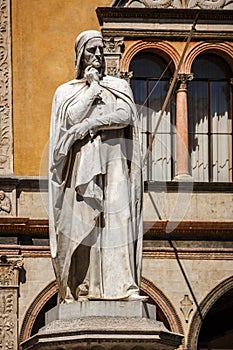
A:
(137, 297)
(83, 298)
(68, 301)
(81, 292)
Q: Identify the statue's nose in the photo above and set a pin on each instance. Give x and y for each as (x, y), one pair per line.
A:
(97, 52)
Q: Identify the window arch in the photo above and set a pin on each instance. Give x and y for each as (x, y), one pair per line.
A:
(210, 119)
(150, 83)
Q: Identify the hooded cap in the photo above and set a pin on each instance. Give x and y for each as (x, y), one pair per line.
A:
(80, 43)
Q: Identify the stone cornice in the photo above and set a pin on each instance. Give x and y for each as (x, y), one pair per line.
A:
(189, 253)
(197, 253)
(25, 183)
(189, 186)
(17, 225)
(36, 183)
(190, 230)
(165, 23)
(25, 251)
(168, 35)
(152, 14)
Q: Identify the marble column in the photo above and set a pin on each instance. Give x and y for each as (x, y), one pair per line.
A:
(9, 290)
(182, 154)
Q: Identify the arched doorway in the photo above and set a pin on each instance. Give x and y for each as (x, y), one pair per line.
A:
(40, 319)
(217, 328)
(213, 311)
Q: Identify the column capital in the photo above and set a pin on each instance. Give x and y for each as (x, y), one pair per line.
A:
(126, 75)
(113, 45)
(9, 266)
(183, 78)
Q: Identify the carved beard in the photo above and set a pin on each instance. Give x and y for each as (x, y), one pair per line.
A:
(101, 69)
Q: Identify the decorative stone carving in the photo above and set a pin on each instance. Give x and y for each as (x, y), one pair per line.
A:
(112, 68)
(186, 307)
(9, 301)
(113, 47)
(8, 276)
(126, 75)
(7, 321)
(150, 3)
(202, 4)
(207, 4)
(183, 79)
(5, 204)
(6, 154)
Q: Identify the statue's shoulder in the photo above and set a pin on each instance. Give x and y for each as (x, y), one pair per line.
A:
(115, 81)
(118, 84)
(66, 89)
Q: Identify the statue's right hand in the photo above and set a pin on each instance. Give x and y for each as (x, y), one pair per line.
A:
(91, 74)
(81, 130)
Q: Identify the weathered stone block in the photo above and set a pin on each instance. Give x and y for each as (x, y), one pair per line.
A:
(101, 308)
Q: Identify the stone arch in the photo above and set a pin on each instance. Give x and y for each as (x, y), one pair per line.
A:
(224, 50)
(32, 312)
(163, 48)
(164, 303)
(204, 307)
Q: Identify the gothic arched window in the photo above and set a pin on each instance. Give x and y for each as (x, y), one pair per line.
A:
(150, 83)
(210, 119)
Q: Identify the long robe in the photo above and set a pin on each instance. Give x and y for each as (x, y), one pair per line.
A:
(95, 194)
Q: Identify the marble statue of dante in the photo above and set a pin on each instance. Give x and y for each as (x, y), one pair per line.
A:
(95, 184)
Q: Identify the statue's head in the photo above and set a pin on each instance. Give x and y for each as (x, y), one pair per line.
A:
(89, 52)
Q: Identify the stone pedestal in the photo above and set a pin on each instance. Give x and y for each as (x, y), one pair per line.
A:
(103, 325)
